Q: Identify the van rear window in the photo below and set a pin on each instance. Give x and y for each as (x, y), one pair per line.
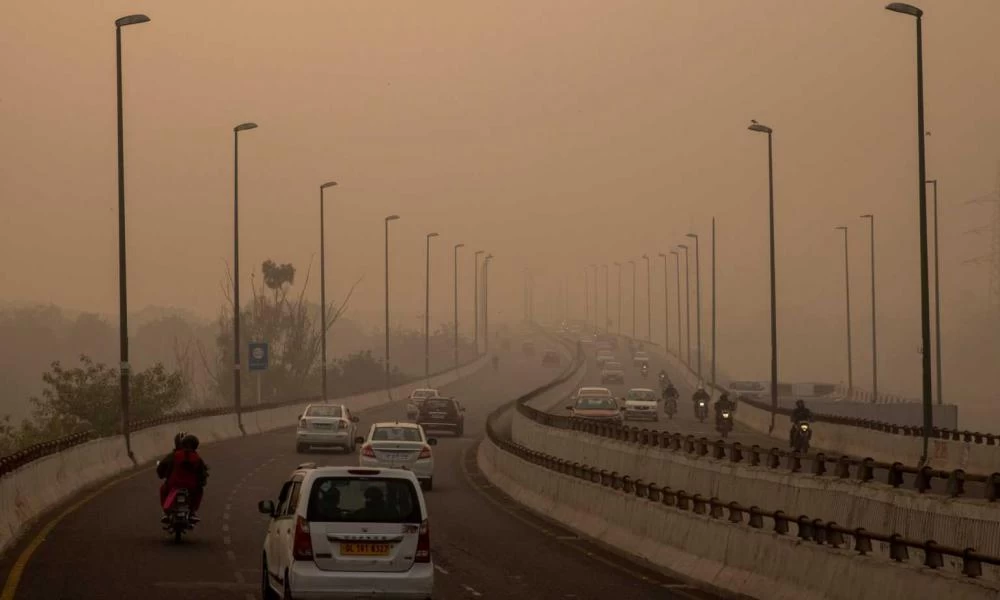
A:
(363, 500)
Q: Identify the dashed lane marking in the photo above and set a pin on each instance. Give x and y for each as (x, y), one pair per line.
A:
(469, 589)
(440, 569)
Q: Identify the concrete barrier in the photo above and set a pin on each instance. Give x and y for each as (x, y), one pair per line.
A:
(28, 492)
(720, 554)
(958, 523)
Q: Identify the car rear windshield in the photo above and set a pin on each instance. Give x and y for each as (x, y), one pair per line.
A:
(643, 395)
(445, 405)
(596, 403)
(396, 434)
(424, 393)
(612, 365)
(325, 411)
(363, 500)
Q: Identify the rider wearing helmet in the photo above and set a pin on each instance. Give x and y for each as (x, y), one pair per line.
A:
(723, 404)
(700, 394)
(184, 470)
(799, 413)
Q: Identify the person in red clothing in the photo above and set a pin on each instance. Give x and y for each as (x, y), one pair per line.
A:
(183, 469)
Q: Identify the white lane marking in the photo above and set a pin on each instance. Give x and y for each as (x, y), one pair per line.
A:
(227, 540)
(225, 526)
(471, 591)
(440, 569)
(231, 555)
(227, 509)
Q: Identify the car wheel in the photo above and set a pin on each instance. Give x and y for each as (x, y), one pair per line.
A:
(266, 591)
(302, 448)
(288, 588)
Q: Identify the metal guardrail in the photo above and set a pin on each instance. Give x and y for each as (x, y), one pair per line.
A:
(20, 458)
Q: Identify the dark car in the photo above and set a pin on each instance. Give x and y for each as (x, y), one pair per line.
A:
(442, 413)
(550, 358)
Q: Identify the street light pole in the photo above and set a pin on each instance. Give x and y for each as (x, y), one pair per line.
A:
(687, 299)
(457, 246)
(606, 326)
(322, 282)
(925, 301)
(677, 286)
(596, 328)
(632, 262)
(666, 307)
(713, 303)
(757, 127)
(619, 265)
(586, 296)
(475, 302)
(388, 368)
(871, 219)
(124, 367)
(237, 380)
(847, 287)
(937, 298)
(697, 296)
(649, 303)
(427, 309)
(486, 291)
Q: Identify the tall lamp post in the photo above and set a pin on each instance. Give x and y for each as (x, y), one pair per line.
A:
(925, 301)
(677, 286)
(937, 298)
(713, 303)
(847, 288)
(649, 303)
(606, 322)
(594, 268)
(322, 282)
(457, 246)
(666, 306)
(871, 220)
(124, 367)
(697, 295)
(388, 367)
(632, 262)
(687, 299)
(619, 265)
(427, 309)
(759, 128)
(237, 403)
(486, 298)
(475, 301)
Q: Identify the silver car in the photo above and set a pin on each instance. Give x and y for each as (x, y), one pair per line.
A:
(327, 426)
(399, 446)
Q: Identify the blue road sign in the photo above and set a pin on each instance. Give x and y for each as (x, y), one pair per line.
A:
(258, 356)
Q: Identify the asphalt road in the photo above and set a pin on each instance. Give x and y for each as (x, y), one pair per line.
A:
(484, 545)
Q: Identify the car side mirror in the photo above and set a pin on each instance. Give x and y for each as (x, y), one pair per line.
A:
(432, 442)
(359, 440)
(302, 416)
(355, 419)
(266, 507)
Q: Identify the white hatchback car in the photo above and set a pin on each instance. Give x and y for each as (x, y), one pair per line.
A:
(327, 425)
(347, 532)
(399, 446)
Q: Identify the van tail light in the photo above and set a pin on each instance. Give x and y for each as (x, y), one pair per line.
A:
(302, 548)
(425, 452)
(424, 543)
(366, 450)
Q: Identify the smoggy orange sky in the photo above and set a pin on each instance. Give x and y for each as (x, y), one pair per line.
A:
(555, 134)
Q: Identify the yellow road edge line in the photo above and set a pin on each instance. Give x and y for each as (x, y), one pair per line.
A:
(17, 570)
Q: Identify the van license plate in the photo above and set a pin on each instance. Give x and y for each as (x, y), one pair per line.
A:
(364, 549)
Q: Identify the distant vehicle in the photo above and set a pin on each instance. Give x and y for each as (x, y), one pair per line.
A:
(602, 345)
(640, 358)
(587, 339)
(601, 392)
(640, 403)
(416, 399)
(442, 413)
(604, 356)
(528, 348)
(612, 371)
(326, 425)
(752, 390)
(599, 408)
(550, 358)
(399, 446)
(341, 532)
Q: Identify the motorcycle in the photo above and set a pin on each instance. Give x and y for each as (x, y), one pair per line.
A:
(663, 381)
(725, 423)
(645, 371)
(670, 406)
(800, 438)
(178, 520)
(701, 410)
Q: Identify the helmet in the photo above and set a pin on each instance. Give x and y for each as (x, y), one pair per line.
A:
(800, 403)
(190, 442)
(178, 439)
(724, 396)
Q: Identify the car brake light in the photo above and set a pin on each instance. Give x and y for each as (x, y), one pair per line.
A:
(424, 543)
(302, 548)
(425, 452)
(342, 425)
(366, 450)
(303, 424)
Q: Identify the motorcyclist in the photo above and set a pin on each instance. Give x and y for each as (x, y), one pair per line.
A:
(184, 469)
(670, 391)
(700, 394)
(723, 404)
(799, 414)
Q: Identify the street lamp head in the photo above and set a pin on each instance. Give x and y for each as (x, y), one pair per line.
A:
(328, 184)
(244, 127)
(692, 235)
(759, 127)
(868, 216)
(131, 20)
(662, 254)
(646, 256)
(457, 246)
(906, 9)
(682, 246)
(675, 253)
(934, 181)
(844, 227)
(430, 235)
(489, 256)
(478, 252)
(391, 218)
